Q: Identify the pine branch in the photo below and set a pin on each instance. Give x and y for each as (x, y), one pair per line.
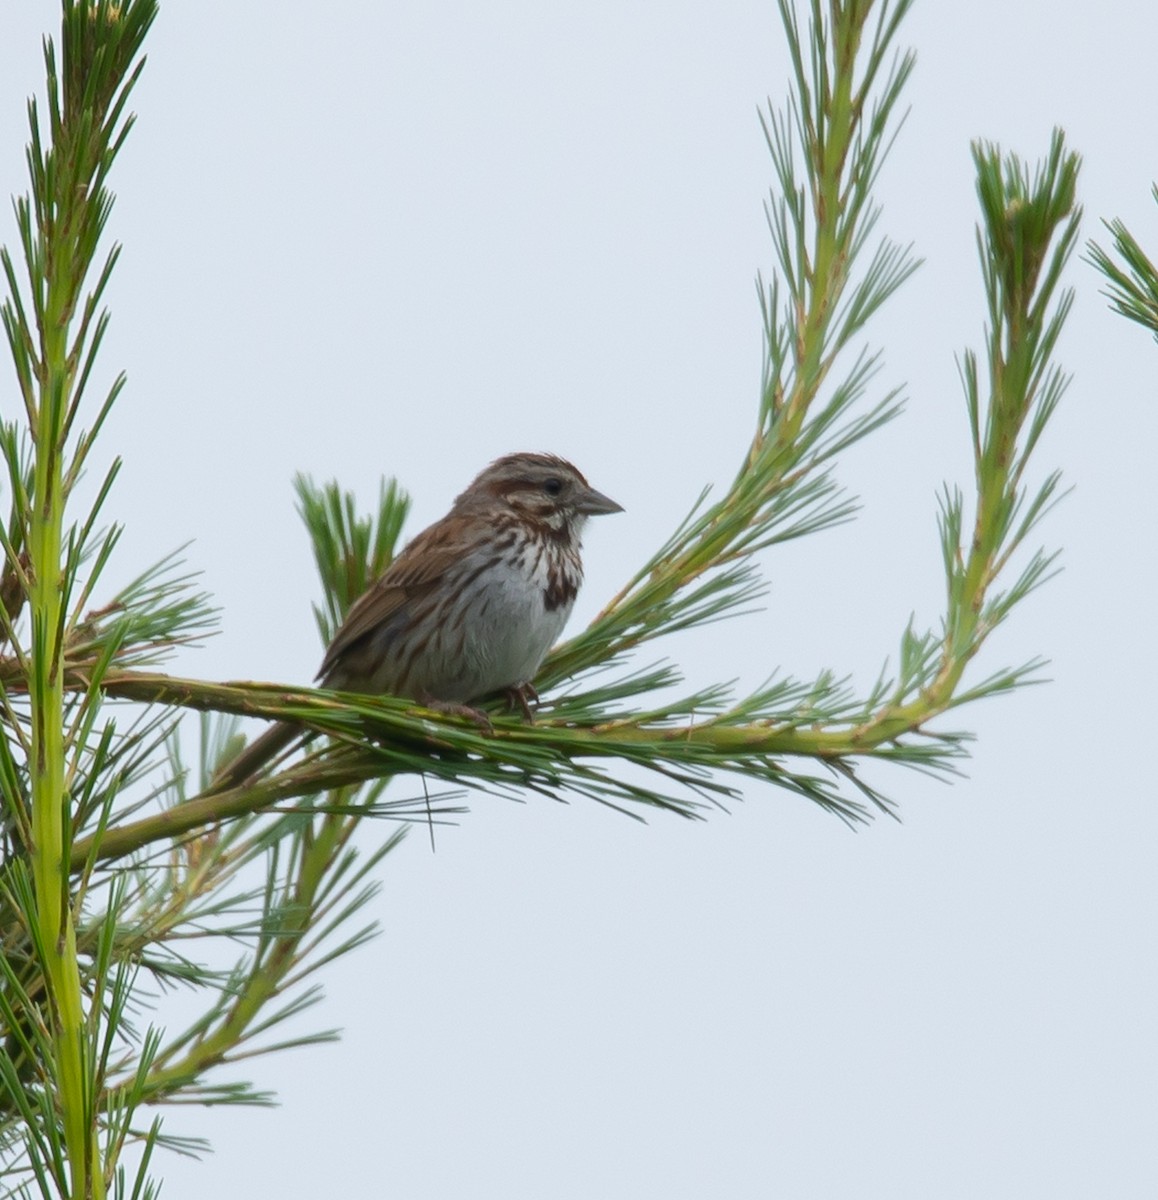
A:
(53, 336)
(1132, 276)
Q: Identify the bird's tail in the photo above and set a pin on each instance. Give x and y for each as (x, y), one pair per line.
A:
(258, 754)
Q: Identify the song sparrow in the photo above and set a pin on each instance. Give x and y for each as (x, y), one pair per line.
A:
(473, 603)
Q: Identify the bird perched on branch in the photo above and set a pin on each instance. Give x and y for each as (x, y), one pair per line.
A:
(470, 607)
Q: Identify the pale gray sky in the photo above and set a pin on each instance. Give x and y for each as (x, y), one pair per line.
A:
(403, 239)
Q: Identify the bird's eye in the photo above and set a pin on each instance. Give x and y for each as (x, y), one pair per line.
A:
(552, 486)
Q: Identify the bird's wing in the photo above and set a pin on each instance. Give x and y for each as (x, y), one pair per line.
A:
(411, 576)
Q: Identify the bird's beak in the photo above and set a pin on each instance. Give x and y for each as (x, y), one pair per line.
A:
(592, 503)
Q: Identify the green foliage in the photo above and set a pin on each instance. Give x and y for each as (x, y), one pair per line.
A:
(1132, 277)
(118, 856)
(350, 551)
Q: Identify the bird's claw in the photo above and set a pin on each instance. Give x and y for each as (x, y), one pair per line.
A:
(523, 695)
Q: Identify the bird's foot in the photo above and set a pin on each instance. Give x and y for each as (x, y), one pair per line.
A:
(523, 695)
(451, 709)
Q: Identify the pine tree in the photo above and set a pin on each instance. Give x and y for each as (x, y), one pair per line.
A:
(114, 847)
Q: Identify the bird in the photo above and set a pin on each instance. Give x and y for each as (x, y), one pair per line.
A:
(470, 607)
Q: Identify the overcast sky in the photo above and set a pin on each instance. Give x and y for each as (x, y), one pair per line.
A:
(366, 239)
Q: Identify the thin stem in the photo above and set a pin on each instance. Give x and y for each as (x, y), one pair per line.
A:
(50, 821)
